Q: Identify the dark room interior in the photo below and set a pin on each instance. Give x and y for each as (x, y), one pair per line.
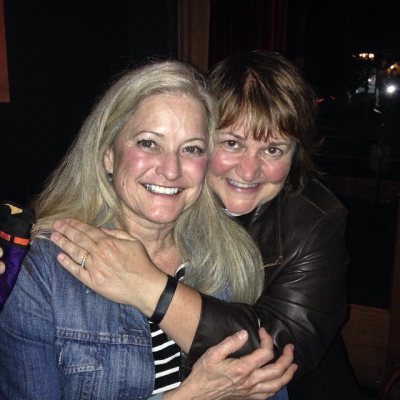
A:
(60, 56)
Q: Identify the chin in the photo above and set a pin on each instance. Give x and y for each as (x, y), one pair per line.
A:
(164, 218)
(240, 209)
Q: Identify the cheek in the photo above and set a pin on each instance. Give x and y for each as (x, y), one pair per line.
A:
(131, 163)
(221, 163)
(278, 172)
(197, 168)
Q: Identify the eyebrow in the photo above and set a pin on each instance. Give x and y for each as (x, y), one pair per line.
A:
(280, 143)
(273, 142)
(147, 131)
(235, 135)
(158, 134)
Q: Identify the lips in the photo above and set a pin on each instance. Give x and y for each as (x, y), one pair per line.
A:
(242, 185)
(162, 189)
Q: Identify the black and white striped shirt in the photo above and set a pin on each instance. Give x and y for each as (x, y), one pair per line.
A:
(166, 355)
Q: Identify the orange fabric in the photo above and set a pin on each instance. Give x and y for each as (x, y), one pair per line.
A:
(14, 239)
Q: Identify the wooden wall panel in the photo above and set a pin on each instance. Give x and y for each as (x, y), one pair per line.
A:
(366, 339)
(4, 85)
(194, 32)
(393, 358)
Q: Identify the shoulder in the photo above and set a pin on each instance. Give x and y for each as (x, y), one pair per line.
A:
(316, 200)
(43, 247)
(42, 252)
(314, 215)
(41, 243)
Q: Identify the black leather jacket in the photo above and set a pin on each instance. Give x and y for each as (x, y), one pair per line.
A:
(301, 238)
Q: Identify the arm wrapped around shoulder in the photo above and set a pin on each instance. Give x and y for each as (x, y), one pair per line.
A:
(304, 298)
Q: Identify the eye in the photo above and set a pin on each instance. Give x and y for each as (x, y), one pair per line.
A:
(146, 143)
(193, 150)
(274, 151)
(230, 144)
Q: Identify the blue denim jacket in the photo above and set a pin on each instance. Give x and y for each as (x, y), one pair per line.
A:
(60, 340)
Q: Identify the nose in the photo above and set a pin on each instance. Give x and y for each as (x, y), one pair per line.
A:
(169, 166)
(248, 167)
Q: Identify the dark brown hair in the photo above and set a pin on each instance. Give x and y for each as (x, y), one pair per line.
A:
(268, 94)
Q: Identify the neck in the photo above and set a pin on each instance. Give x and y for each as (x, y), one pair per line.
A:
(158, 239)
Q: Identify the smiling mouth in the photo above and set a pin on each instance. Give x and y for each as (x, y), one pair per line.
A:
(162, 189)
(241, 185)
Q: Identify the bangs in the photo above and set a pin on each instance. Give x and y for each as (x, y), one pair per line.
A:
(256, 116)
(265, 110)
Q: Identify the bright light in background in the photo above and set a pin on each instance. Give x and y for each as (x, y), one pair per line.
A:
(391, 89)
(366, 56)
(394, 68)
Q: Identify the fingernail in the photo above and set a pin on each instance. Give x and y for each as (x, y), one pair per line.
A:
(241, 334)
(54, 236)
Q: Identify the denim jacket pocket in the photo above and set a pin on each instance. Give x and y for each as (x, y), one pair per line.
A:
(91, 365)
(80, 365)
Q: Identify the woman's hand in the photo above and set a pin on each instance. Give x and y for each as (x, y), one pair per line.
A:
(111, 262)
(216, 377)
(117, 266)
(2, 265)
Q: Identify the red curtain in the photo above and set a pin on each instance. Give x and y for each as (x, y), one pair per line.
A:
(242, 25)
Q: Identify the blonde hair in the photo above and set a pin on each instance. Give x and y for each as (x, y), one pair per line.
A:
(220, 252)
(225, 256)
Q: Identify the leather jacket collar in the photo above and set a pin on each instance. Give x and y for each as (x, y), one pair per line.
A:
(267, 218)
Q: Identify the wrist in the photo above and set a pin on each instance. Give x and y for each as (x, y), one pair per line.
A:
(177, 394)
(146, 291)
(164, 300)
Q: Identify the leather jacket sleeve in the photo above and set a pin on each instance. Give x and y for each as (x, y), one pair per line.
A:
(303, 301)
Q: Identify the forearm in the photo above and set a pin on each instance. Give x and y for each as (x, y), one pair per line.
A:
(182, 317)
(309, 323)
(183, 313)
(218, 320)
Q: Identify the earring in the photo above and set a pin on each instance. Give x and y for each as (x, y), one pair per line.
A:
(109, 176)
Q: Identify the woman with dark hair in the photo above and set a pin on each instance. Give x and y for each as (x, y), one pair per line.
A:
(263, 174)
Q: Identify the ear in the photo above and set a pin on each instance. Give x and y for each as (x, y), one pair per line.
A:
(108, 160)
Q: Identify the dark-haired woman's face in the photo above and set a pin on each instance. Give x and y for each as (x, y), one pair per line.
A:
(245, 173)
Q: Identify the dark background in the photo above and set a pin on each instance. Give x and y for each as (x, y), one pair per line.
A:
(62, 54)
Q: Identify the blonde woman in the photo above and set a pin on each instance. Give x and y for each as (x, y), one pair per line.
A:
(138, 163)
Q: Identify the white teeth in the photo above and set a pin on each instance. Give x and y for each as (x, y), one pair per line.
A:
(161, 189)
(242, 185)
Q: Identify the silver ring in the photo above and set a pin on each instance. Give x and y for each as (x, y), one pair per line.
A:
(83, 262)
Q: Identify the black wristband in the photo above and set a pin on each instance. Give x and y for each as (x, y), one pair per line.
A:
(164, 300)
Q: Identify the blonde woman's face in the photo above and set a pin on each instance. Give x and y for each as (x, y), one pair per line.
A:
(159, 159)
(246, 173)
